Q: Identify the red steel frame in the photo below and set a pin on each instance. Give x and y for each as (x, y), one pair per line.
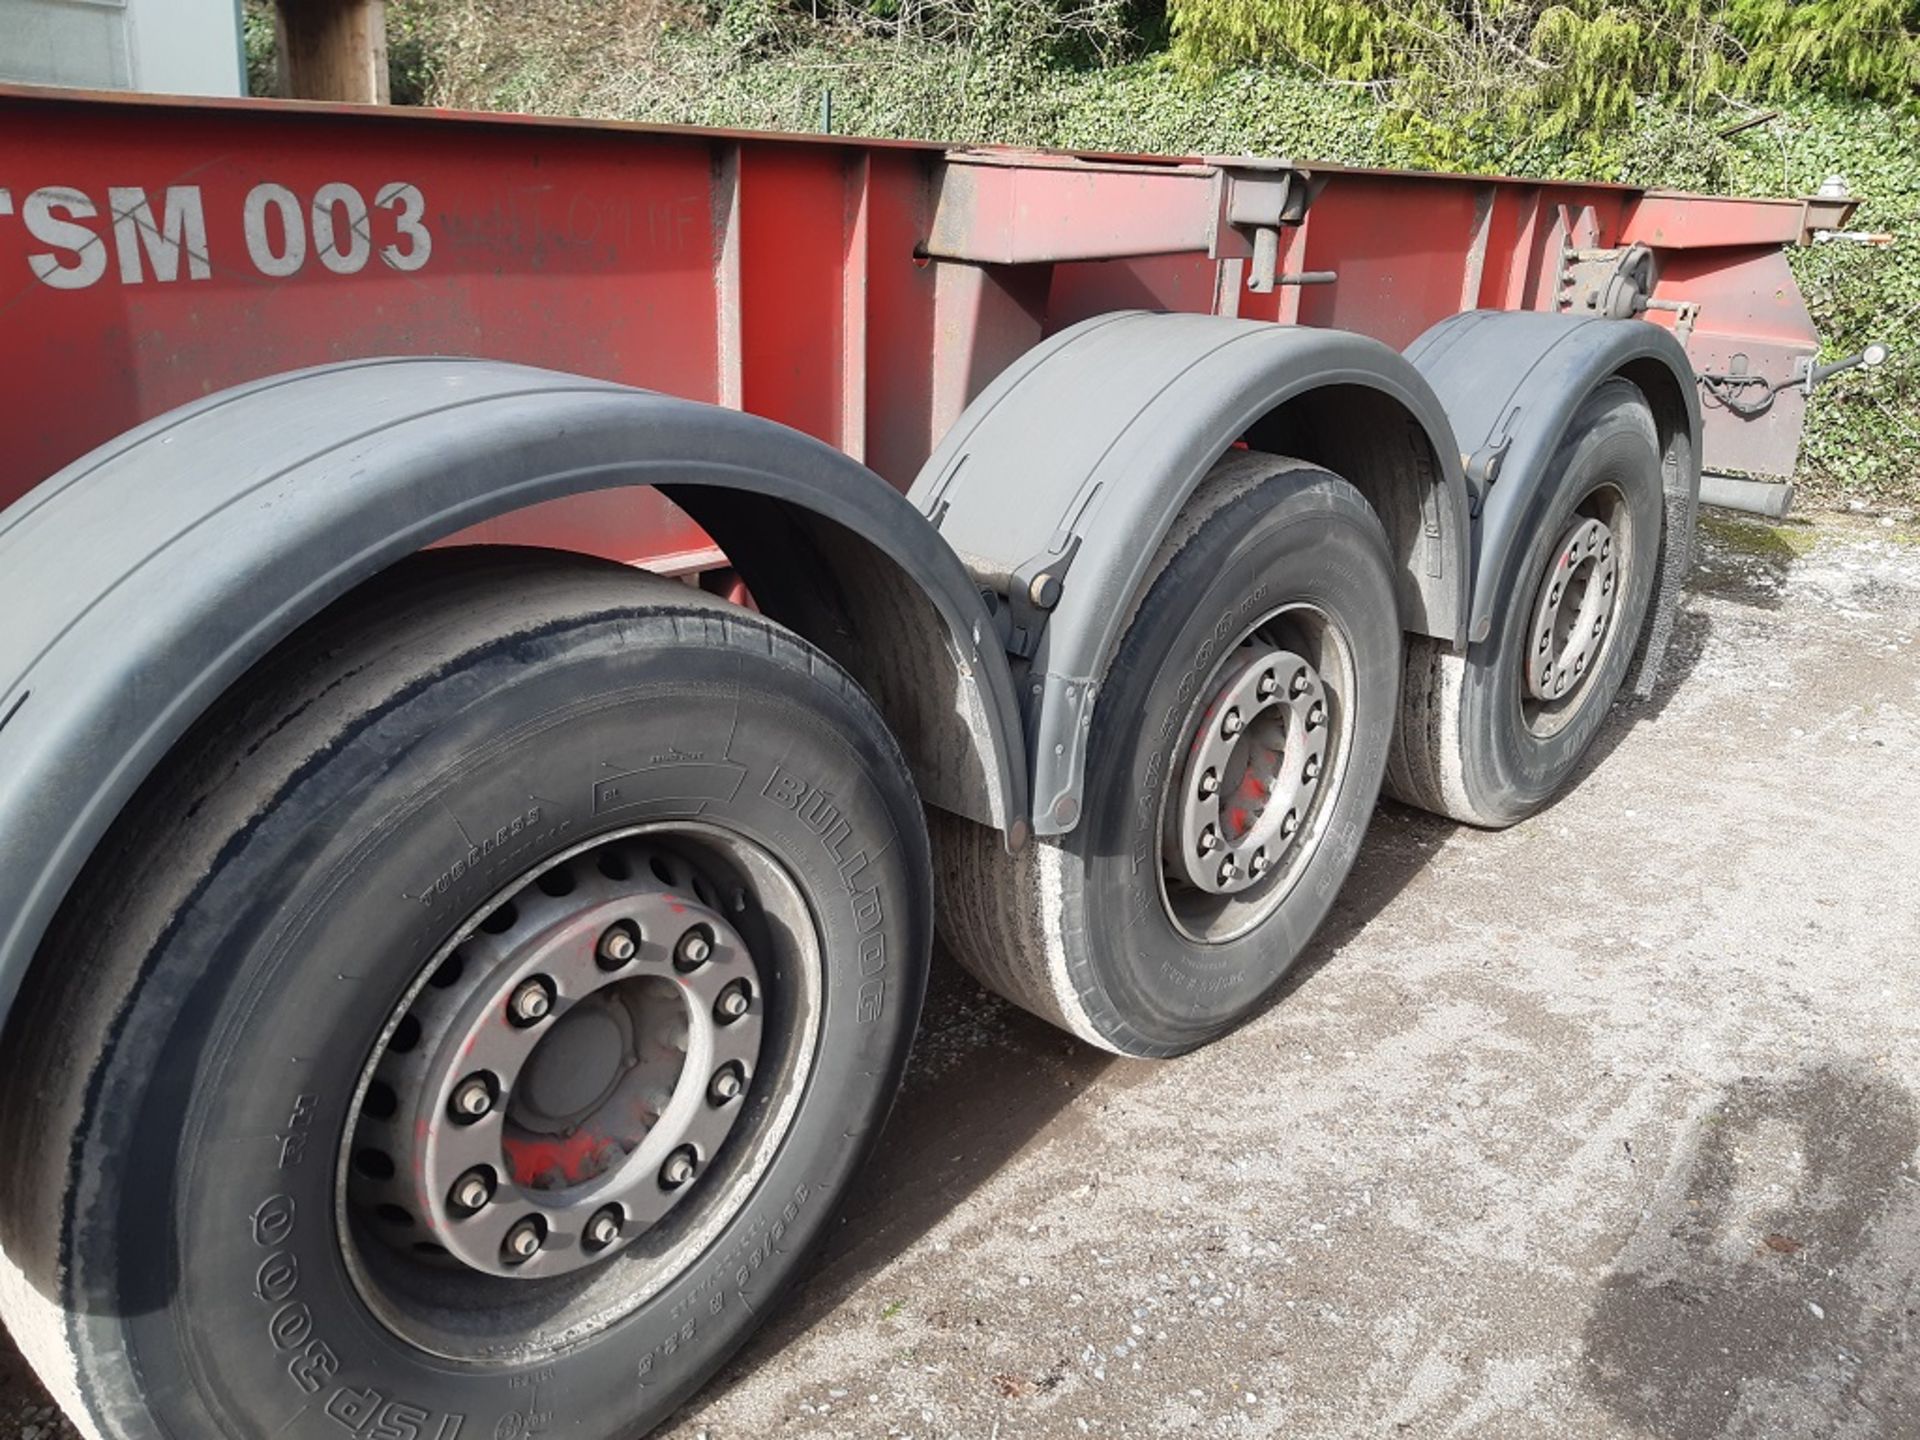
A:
(859, 290)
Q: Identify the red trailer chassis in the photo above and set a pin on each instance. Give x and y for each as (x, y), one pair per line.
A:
(448, 984)
(860, 291)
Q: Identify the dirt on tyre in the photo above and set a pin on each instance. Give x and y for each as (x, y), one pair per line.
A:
(1236, 752)
(472, 1029)
(1490, 735)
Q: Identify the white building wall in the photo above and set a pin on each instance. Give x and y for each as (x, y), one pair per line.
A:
(177, 47)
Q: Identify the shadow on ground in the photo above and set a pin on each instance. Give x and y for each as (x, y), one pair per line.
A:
(1771, 1288)
(989, 1080)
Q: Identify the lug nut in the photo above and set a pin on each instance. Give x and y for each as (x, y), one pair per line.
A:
(1290, 824)
(727, 1083)
(531, 1002)
(1301, 684)
(603, 1229)
(617, 947)
(1233, 724)
(1312, 770)
(472, 1190)
(1209, 784)
(1228, 870)
(1317, 716)
(694, 951)
(472, 1098)
(679, 1168)
(1209, 840)
(523, 1241)
(734, 1002)
(1269, 683)
(1259, 865)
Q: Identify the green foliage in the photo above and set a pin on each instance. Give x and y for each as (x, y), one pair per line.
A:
(1844, 47)
(1449, 69)
(258, 46)
(411, 54)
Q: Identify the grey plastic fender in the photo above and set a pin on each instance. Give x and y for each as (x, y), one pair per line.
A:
(1511, 381)
(141, 582)
(1069, 469)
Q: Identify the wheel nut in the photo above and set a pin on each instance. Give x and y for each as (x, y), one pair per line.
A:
(531, 1003)
(472, 1098)
(1259, 865)
(1209, 840)
(679, 1168)
(523, 1241)
(603, 1229)
(727, 1083)
(1312, 770)
(1317, 716)
(1228, 870)
(734, 1002)
(472, 1190)
(1209, 784)
(1233, 724)
(1269, 683)
(1300, 685)
(617, 947)
(693, 952)
(1290, 824)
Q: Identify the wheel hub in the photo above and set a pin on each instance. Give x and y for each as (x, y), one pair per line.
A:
(1252, 768)
(566, 1076)
(1572, 610)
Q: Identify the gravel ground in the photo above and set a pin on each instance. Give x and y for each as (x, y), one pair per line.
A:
(1597, 1127)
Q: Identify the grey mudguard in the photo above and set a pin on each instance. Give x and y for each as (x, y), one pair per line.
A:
(141, 582)
(1511, 382)
(1086, 449)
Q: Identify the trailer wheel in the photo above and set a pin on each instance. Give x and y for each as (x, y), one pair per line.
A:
(1235, 755)
(1490, 736)
(472, 1029)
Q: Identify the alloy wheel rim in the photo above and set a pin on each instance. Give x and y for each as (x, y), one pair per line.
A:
(1258, 766)
(1572, 617)
(628, 1119)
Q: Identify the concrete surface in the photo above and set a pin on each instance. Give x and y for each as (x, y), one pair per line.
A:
(1599, 1127)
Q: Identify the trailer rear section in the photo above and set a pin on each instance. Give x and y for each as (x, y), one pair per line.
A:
(515, 630)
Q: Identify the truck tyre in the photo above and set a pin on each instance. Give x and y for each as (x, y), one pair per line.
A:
(471, 1029)
(1489, 736)
(1235, 756)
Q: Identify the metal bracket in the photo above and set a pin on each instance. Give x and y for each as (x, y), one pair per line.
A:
(1482, 467)
(1615, 283)
(1686, 311)
(1255, 202)
(1031, 590)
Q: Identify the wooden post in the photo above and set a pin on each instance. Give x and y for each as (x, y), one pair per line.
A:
(333, 50)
